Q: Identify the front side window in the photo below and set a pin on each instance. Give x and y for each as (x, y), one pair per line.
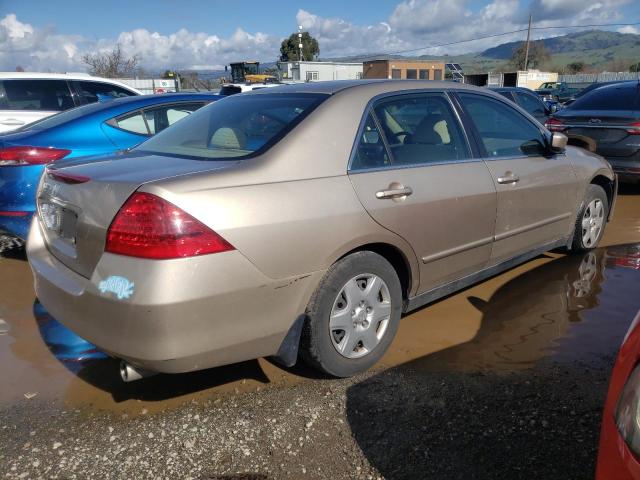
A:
(504, 131)
(532, 105)
(47, 95)
(370, 151)
(235, 127)
(421, 129)
(91, 92)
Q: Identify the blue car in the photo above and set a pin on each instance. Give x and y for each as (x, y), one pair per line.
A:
(91, 130)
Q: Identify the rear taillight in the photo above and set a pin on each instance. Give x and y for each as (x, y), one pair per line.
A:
(634, 129)
(554, 125)
(17, 156)
(148, 226)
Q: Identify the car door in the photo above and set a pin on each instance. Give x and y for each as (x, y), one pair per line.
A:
(23, 101)
(532, 105)
(416, 174)
(537, 191)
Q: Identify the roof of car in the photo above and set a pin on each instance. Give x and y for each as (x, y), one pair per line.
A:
(511, 89)
(334, 86)
(66, 76)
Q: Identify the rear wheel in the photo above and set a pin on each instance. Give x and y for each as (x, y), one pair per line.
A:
(353, 315)
(591, 219)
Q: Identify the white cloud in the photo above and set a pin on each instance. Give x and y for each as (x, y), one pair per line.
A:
(412, 24)
(629, 29)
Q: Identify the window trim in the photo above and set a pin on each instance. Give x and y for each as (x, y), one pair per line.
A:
(476, 134)
(369, 109)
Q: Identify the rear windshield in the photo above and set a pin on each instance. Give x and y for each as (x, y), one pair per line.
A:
(613, 97)
(63, 117)
(234, 127)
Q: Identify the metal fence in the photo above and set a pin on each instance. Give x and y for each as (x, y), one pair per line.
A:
(588, 78)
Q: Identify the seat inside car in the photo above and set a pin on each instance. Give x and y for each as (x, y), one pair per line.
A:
(430, 142)
(229, 139)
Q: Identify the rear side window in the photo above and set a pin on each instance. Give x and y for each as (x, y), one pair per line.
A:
(155, 119)
(421, 129)
(91, 92)
(370, 151)
(504, 131)
(45, 95)
(531, 104)
(230, 90)
(609, 98)
(234, 127)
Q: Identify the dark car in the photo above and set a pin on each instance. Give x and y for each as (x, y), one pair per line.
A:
(609, 115)
(557, 91)
(527, 100)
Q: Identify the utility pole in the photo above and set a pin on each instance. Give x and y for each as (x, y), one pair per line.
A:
(526, 52)
(300, 42)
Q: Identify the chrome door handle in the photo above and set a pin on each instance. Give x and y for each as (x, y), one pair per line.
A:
(394, 193)
(12, 121)
(508, 178)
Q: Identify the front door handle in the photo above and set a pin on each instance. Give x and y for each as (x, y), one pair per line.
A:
(508, 178)
(399, 192)
(12, 122)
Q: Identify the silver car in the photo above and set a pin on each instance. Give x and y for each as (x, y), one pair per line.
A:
(305, 220)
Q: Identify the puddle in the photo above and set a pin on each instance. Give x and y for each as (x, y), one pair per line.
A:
(558, 307)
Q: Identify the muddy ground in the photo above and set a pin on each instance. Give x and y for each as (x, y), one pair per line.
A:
(504, 380)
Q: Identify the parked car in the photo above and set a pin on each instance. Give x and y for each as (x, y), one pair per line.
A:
(610, 115)
(27, 97)
(529, 101)
(305, 218)
(619, 448)
(96, 129)
(557, 91)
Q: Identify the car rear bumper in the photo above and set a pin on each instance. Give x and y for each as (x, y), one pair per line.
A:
(181, 315)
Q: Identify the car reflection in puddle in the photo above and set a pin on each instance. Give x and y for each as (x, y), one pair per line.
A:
(70, 349)
(523, 398)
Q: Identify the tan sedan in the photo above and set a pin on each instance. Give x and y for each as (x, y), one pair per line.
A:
(305, 219)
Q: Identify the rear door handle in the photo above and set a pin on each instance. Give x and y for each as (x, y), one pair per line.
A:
(12, 121)
(394, 193)
(508, 178)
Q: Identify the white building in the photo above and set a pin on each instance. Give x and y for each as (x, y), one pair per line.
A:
(319, 71)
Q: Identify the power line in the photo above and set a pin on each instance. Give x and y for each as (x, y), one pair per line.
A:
(501, 35)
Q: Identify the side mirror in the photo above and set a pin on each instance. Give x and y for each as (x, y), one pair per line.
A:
(558, 142)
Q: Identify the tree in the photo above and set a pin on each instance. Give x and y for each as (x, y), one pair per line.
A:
(112, 64)
(538, 55)
(635, 67)
(575, 67)
(290, 52)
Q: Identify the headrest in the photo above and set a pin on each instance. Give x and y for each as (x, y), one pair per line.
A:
(229, 138)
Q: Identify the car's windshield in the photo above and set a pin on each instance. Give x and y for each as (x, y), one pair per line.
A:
(237, 126)
(612, 97)
(549, 85)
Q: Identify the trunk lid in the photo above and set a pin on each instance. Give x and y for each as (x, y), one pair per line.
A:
(605, 127)
(75, 214)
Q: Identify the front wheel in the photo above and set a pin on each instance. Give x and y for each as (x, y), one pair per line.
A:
(352, 316)
(591, 220)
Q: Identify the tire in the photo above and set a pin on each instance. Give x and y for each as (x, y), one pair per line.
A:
(591, 220)
(341, 300)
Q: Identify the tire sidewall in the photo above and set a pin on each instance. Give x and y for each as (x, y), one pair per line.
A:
(319, 342)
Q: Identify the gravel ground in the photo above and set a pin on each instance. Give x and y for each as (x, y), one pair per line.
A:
(400, 423)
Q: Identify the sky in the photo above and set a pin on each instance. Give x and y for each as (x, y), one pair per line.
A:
(52, 35)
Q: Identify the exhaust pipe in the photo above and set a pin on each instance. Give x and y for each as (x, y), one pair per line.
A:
(129, 373)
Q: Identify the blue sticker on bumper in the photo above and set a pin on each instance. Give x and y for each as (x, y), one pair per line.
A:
(119, 286)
